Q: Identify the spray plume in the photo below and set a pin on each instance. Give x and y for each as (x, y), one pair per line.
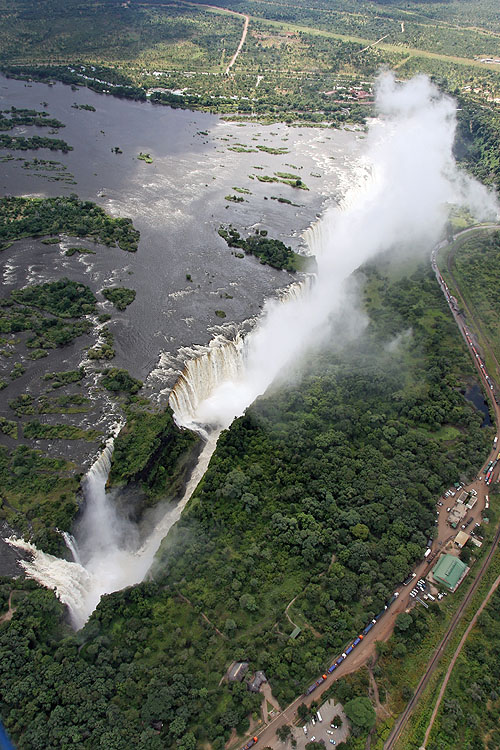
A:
(411, 180)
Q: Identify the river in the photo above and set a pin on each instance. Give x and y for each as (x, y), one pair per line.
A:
(177, 203)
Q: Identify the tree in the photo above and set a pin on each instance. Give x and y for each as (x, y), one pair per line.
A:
(360, 712)
(302, 711)
(247, 601)
(229, 627)
(403, 621)
(283, 733)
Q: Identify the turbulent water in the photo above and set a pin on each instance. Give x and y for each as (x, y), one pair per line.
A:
(225, 360)
(408, 180)
(222, 360)
(107, 555)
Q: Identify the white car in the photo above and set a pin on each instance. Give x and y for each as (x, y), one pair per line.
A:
(313, 738)
(332, 742)
(329, 731)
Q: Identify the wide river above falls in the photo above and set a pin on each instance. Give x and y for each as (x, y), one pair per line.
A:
(177, 203)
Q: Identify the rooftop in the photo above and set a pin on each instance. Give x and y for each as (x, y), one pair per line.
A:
(450, 571)
(237, 671)
(461, 539)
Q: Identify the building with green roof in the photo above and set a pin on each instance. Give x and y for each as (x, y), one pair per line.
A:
(450, 571)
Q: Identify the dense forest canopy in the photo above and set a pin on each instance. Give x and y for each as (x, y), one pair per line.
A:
(325, 490)
(322, 496)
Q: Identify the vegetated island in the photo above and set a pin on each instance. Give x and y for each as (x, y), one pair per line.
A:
(49, 312)
(86, 107)
(286, 178)
(39, 494)
(33, 217)
(270, 252)
(53, 171)
(33, 143)
(14, 117)
(120, 296)
(11, 118)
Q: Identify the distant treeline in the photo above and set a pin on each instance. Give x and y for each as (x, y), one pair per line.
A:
(102, 80)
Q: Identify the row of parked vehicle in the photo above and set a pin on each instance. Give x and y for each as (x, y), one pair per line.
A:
(420, 588)
(351, 646)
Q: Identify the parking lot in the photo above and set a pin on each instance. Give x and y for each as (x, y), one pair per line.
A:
(322, 730)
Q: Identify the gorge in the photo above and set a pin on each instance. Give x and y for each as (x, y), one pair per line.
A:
(410, 178)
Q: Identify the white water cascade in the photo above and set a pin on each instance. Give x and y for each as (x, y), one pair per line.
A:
(402, 201)
(107, 555)
(399, 199)
(223, 360)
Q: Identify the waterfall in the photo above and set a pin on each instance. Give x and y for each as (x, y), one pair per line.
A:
(72, 545)
(224, 365)
(314, 236)
(70, 581)
(107, 552)
(402, 205)
(221, 360)
(99, 558)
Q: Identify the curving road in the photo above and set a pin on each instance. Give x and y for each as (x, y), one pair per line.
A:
(219, 9)
(242, 40)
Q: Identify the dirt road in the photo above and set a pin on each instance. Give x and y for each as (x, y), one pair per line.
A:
(242, 41)
(219, 9)
(8, 615)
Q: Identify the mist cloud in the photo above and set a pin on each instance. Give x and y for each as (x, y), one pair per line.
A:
(411, 180)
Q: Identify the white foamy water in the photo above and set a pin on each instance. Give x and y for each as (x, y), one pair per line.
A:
(409, 178)
(107, 555)
(400, 200)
